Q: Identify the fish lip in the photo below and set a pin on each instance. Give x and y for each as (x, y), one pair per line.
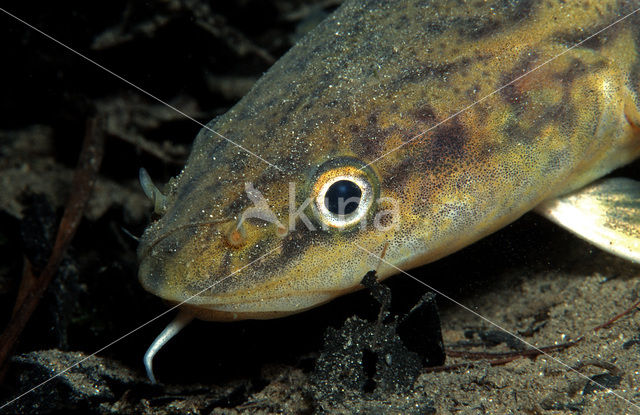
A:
(152, 273)
(152, 235)
(160, 246)
(145, 245)
(151, 278)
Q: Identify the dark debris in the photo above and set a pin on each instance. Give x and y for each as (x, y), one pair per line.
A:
(367, 361)
(598, 381)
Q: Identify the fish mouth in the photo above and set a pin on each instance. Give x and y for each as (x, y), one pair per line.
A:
(153, 236)
(193, 267)
(220, 299)
(195, 264)
(171, 261)
(217, 296)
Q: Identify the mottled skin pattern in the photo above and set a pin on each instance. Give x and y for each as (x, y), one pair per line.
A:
(371, 77)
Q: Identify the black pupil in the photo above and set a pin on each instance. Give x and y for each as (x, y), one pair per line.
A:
(343, 197)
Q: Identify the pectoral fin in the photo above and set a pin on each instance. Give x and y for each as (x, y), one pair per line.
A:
(606, 213)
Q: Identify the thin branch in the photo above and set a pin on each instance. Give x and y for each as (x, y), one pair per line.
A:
(615, 318)
(499, 358)
(83, 180)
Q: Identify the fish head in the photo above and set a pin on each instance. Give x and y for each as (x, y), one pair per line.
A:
(232, 247)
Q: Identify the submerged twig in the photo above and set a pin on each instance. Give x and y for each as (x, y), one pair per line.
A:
(514, 354)
(615, 318)
(610, 367)
(498, 358)
(33, 287)
(501, 358)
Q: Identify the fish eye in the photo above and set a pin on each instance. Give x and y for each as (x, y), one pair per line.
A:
(342, 197)
(343, 193)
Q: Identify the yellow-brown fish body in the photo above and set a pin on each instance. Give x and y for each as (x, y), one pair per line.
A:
(368, 96)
